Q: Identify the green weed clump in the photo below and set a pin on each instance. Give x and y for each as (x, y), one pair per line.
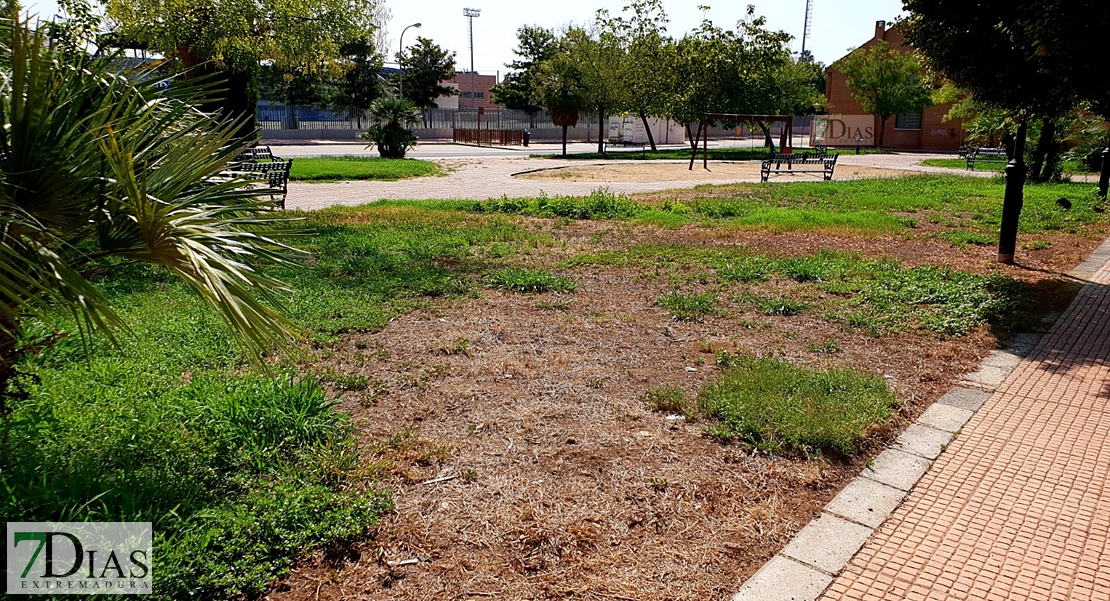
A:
(530, 281)
(688, 307)
(600, 204)
(667, 399)
(776, 406)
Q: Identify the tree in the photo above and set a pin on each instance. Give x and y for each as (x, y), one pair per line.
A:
(643, 72)
(720, 71)
(597, 58)
(560, 90)
(425, 65)
(361, 83)
(885, 82)
(95, 165)
(392, 131)
(983, 48)
(518, 90)
(230, 39)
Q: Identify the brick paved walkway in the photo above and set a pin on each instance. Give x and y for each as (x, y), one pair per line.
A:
(1018, 507)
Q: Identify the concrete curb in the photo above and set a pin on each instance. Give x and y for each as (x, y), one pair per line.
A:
(820, 551)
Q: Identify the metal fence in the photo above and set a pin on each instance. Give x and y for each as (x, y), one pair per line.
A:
(272, 117)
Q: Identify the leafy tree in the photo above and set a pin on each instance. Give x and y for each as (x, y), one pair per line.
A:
(392, 131)
(720, 71)
(518, 90)
(229, 39)
(361, 83)
(643, 73)
(885, 82)
(96, 165)
(425, 65)
(986, 49)
(598, 58)
(560, 90)
(293, 88)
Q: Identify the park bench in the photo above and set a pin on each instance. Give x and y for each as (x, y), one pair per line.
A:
(272, 178)
(985, 154)
(257, 154)
(629, 143)
(798, 163)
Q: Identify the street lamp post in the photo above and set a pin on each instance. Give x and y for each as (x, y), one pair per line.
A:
(401, 57)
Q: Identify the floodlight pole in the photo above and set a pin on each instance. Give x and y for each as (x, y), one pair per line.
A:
(470, 13)
(401, 57)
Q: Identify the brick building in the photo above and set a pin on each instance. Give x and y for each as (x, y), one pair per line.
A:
(473, 89)
(923, 130)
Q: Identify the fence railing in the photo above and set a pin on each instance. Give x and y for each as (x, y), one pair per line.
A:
(272, 117)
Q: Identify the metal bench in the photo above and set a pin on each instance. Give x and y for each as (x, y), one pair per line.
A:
(808, 163)
(273, 177)
(256, 154)
(627, 143)
(985, 154)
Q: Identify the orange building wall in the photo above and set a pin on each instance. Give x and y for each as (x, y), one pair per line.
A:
(482, 84)
(935, 133)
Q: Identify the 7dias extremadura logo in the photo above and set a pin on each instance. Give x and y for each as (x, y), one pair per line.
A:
(84, 558)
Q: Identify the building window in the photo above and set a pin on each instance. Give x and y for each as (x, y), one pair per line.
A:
(473, 94)
(908, 121)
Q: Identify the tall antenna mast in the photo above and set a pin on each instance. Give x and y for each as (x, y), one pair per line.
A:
(808, 27)
(470, 13)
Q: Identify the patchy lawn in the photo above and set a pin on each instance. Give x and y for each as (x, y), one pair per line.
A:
(593, 438)
(550, 392)
(996, 165)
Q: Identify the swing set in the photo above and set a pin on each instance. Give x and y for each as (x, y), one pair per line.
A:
(703, 132)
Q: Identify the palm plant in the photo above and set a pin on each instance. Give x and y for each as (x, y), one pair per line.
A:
(95, 164)
(392, 132)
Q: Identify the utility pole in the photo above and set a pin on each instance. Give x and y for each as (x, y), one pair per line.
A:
(470, 13)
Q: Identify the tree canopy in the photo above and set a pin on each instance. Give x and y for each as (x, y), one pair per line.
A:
(425, 64)
(233, 37)
(519, 88)
(885, 82)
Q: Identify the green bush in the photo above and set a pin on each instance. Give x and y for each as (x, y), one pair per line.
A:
(392, 132)
(773, 406)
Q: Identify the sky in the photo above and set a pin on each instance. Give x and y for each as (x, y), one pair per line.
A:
(837, 24)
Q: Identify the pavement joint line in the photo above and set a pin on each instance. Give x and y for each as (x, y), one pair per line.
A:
(764, 588)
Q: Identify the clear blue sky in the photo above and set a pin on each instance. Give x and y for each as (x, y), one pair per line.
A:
(837, 24)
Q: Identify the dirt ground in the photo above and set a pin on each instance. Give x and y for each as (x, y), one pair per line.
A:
(668, 171)
(525, 464)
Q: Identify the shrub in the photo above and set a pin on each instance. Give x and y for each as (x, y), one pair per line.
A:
(392, 132)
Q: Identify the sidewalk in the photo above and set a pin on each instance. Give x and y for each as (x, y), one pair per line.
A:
(1018, 506)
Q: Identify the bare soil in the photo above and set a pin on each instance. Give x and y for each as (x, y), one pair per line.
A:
(670, 171)
(525, 464)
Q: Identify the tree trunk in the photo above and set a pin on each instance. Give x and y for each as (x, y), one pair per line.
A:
(1013, 200)
(564, 141)
(601, 132)
(651, 138)
(1048, 132)
(882, 131)
(694, 143)
(768, 141)
(237, 99)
